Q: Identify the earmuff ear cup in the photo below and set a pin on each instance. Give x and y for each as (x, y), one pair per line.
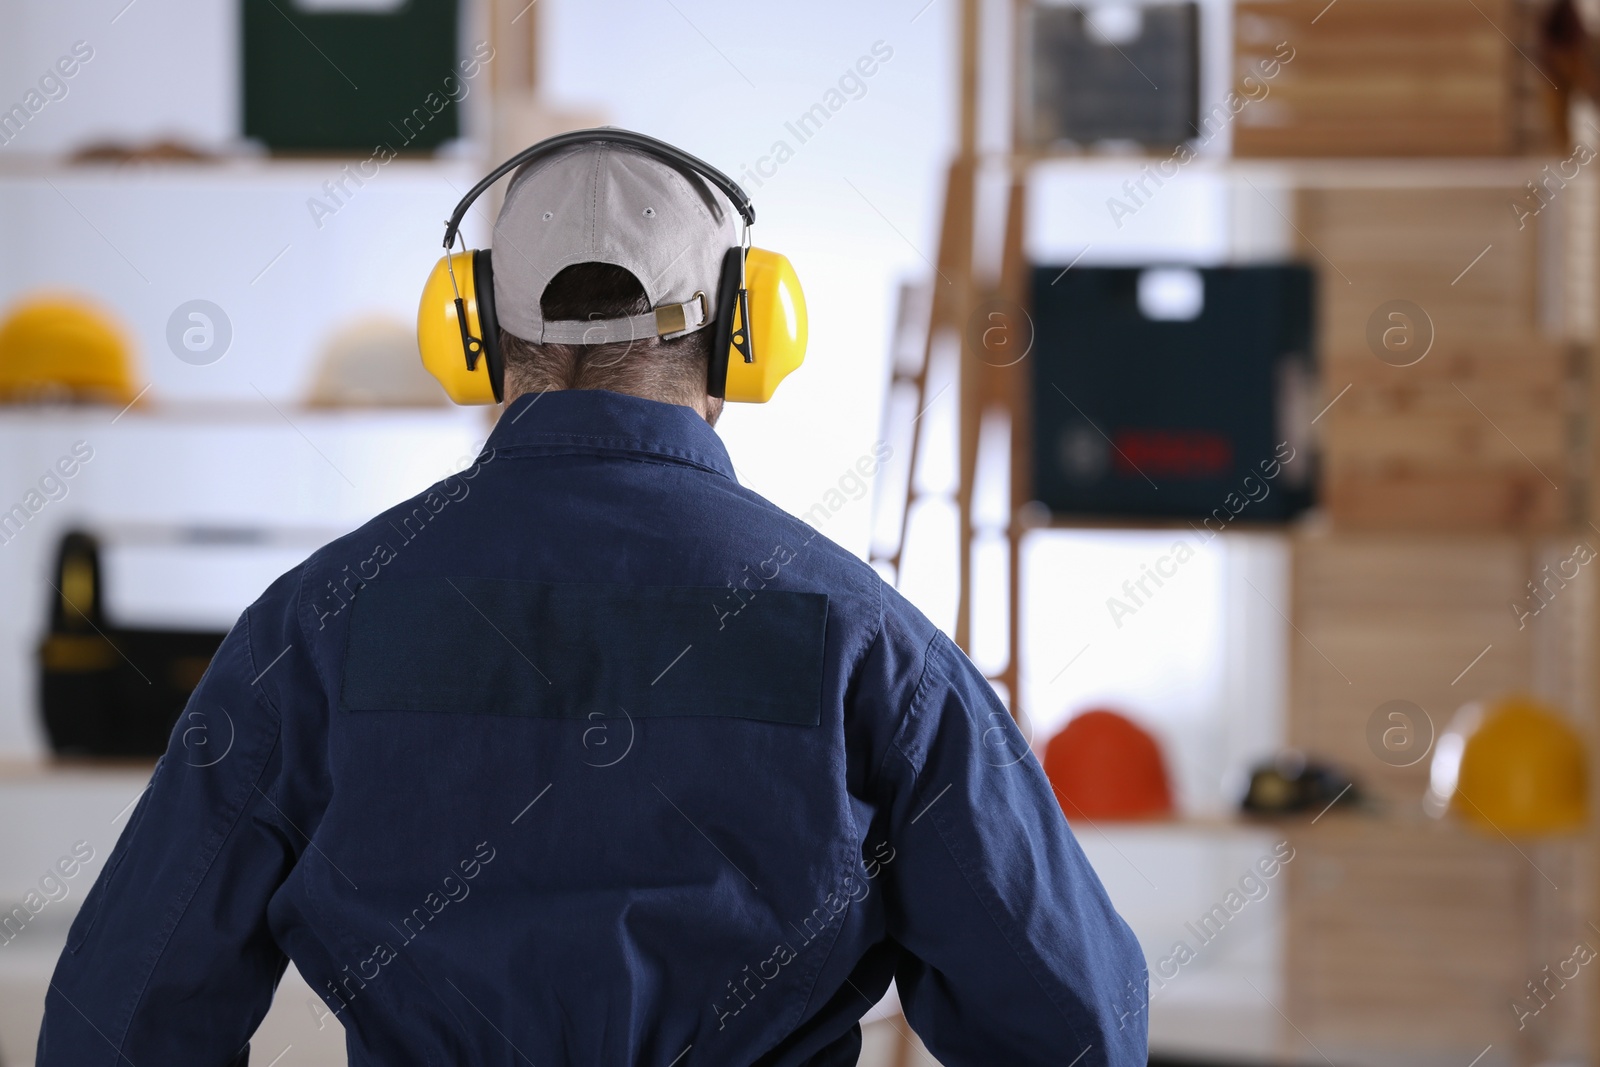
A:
(728, 285)
(777, 329)
(439, 332)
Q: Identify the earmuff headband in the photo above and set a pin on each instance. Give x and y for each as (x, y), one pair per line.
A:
(759, 310)
(660, 149)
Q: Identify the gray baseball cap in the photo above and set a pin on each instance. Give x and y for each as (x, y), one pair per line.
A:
(602, 202)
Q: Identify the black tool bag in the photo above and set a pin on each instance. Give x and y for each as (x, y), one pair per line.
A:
(106, 690)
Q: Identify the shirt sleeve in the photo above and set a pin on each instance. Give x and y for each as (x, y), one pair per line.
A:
(170, 960)
(1011, 950)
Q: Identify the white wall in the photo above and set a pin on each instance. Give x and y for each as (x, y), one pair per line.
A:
(158, 69)
(856, 208)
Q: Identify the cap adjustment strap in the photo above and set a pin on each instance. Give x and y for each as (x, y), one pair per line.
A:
(664, 321)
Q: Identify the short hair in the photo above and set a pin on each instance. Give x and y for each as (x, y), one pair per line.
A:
(674, 370)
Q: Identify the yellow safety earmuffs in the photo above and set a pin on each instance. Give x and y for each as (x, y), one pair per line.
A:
(456, 329)
(761, 310)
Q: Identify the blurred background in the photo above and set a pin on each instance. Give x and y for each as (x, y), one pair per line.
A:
(1218, 373)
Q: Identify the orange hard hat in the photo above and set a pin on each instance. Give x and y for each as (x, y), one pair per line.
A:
(1102, 765)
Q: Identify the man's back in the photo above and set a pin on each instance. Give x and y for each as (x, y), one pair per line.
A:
(588, 755)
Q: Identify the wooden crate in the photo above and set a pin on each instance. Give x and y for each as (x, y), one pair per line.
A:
(1391, 78)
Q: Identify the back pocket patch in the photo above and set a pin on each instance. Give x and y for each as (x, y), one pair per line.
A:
(489, 646)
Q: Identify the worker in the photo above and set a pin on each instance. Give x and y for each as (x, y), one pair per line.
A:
(589, 755)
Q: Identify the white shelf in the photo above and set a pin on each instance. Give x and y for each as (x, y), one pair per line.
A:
(1308, 172)
(289, 254)
(305, 475)
(231, 167)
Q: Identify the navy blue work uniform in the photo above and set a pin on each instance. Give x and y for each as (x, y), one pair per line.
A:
(590, 756)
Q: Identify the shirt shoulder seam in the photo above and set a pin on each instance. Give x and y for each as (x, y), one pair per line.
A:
(918, 696)
(250, 644)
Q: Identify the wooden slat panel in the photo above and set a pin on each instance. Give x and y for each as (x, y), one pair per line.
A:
(1378, 245)
(1406, 935)
(1379, 77)
(1391, 618)
(1527, 361)
(1383, 573)
(1509, 500)
(1445, 440)
(1475, 435)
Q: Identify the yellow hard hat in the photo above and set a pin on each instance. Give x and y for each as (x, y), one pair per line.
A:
(61, 347)
(1522, 770)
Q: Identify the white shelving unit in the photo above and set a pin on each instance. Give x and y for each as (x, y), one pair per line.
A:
(299, 476)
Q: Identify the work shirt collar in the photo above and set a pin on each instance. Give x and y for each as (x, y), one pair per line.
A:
(598, 421)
